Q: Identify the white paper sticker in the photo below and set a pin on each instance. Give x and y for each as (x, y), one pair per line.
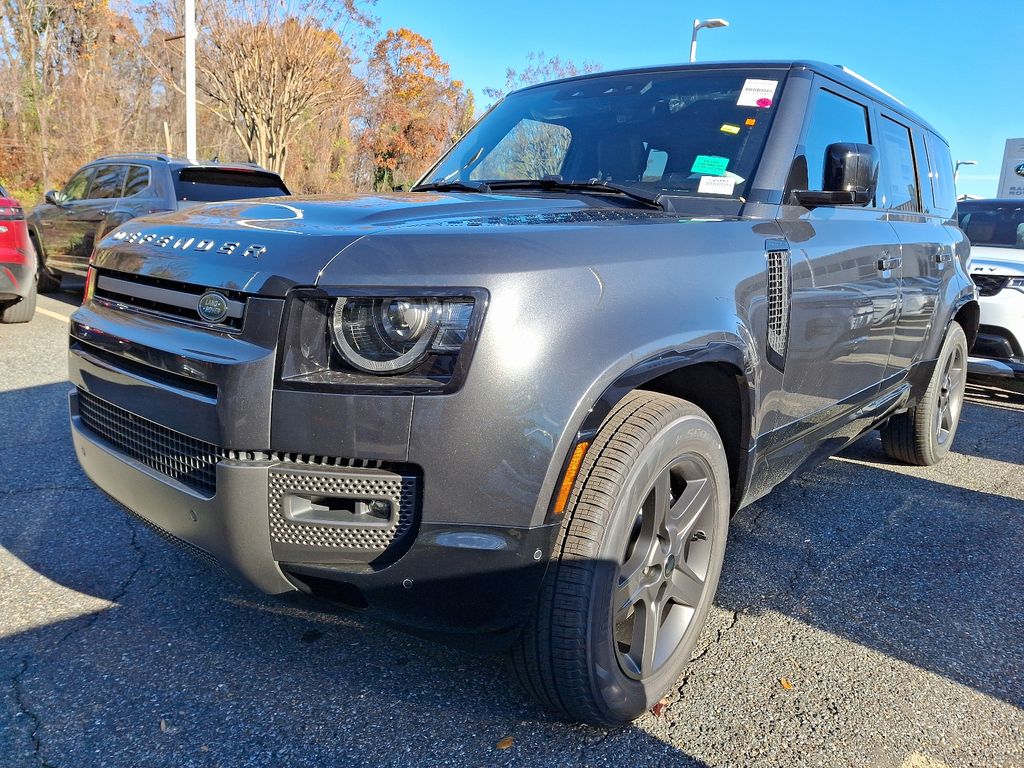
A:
(757, 93)
(716, 185)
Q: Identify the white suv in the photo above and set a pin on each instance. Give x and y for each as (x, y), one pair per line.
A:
(996, 231)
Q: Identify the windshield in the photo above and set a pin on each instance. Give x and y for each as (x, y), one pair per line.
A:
(998, 224)
(684, 133)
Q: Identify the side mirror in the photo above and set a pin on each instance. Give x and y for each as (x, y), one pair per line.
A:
(850, 177)
(398, 188)
(53, 197)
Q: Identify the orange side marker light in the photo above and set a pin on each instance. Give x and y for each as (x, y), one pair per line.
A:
(570, 477)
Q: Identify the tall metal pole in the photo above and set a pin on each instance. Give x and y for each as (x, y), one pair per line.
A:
(190, 79)
(693, 40)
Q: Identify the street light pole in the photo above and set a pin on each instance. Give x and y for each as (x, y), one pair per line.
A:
(698, 25)
(956, 169)
(190, 79)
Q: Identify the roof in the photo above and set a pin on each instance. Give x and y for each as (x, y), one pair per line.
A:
(176, 161)
(838, 73)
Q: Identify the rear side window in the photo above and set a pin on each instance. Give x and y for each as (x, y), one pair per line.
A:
(3, 192)
(834, 120)
(108, 182)
(897, 186)
(136, 181)
(941, 165)
(213, 184)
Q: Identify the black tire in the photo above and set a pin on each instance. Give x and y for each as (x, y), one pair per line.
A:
(45, 282)
(923, 434)
(574, 656)
(23, 311)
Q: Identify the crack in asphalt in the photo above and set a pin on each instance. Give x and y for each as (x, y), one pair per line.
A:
(586, 746)
(688, 670)
(23, 709)
(17, 682)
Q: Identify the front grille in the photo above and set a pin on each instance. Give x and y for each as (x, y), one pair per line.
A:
(989, 285)
(167, 298)
(188, 460)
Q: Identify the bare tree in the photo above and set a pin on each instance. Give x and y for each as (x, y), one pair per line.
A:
(539, 69)
(270, 68)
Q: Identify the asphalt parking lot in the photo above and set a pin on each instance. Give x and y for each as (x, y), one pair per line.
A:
(891, 599)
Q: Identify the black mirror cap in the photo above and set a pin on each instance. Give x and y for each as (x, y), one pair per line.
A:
(52, 197)
(851, 168)
(850, 176)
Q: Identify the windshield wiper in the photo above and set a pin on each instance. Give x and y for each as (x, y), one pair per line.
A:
(453, 186)
(594, 185)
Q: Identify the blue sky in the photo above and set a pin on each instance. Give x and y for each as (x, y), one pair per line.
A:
(958, 64)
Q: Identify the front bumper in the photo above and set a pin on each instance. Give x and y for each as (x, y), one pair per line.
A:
(998, 352)
(470, 586)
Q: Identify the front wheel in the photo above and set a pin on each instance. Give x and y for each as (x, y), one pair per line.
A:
(923, 434)
(636, 564)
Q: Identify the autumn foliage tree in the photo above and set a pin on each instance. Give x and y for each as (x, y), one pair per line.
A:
(415, 110)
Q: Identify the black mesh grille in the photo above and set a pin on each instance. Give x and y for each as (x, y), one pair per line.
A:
(990, 285)
(778, 304)
(186, 459)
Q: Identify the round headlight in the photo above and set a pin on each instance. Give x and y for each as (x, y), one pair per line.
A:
(384, 335)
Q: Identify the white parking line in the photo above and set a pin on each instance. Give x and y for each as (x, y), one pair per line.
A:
(55, 315)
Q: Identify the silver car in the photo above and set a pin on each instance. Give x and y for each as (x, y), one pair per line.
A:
(515, 407)
(995, 229)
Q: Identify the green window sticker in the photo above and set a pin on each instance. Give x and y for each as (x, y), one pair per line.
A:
(710, 165)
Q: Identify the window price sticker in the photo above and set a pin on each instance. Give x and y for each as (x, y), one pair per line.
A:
(716, 185)
(757, 93)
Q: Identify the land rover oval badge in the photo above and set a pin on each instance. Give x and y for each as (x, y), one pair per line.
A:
(212, 307)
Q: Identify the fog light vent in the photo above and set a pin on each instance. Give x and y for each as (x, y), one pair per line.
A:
(343, 515)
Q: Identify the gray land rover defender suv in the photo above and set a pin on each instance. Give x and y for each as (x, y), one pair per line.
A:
(515, 407)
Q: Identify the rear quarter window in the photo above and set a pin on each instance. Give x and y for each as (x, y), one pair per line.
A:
(941, 166)
(209, 185)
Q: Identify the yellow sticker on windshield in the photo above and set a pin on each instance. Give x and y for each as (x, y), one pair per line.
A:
(733, 129)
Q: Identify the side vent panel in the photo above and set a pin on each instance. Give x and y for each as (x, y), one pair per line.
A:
(780, 291)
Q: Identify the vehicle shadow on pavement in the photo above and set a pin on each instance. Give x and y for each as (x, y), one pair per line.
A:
(903, 562)
(128, 652)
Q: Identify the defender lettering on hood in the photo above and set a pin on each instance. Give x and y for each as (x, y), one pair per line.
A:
(254, 250)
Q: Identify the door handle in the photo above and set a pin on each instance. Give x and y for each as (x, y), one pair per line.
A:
(885, 265)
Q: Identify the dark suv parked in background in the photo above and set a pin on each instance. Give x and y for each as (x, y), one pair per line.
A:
(111, 190)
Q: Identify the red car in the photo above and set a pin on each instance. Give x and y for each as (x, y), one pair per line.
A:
(17, 264)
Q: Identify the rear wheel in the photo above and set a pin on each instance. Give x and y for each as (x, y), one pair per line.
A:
(45, 282)
(924, 433)
(23, 311)
(636, 565)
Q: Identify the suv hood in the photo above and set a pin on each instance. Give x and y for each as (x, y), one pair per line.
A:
(996, 261)
(267, 246)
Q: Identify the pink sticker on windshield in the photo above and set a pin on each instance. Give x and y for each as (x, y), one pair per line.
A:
(763, 103)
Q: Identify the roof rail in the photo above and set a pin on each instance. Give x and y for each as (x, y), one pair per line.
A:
(138, 155)
(864, 80)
